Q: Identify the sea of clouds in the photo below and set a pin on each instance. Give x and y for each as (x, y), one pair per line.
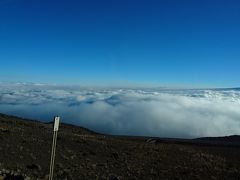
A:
(181, 113)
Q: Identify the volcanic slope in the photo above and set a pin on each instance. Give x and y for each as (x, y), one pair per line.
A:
(25, 148)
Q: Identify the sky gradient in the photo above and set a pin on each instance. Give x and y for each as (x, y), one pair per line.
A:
(134, 42)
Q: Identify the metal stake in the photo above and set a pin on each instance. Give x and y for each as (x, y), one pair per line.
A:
(55, 131)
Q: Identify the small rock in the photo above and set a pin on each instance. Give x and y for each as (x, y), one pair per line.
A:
(2, 177)
(34, 167)
(94, 166)
(151, 141)
(113, 177)
(7, 172)
(115, 155)
(27, 178)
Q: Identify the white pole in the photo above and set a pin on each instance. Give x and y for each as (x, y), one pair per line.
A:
(55, 130)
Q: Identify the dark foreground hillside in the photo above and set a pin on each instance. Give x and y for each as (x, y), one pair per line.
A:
(25, 148)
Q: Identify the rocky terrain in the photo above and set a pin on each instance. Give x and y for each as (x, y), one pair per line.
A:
(25, 148)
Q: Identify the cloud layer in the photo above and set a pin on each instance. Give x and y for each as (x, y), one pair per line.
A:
(147, 112)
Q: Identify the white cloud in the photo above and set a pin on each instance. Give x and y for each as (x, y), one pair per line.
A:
(152, 112)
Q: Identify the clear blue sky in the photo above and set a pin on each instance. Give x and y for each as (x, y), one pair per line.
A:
(161, 42)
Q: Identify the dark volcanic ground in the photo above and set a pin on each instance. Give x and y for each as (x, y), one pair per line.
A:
(25, 148)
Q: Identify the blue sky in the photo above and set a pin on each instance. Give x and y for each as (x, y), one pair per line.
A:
(170, 43)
